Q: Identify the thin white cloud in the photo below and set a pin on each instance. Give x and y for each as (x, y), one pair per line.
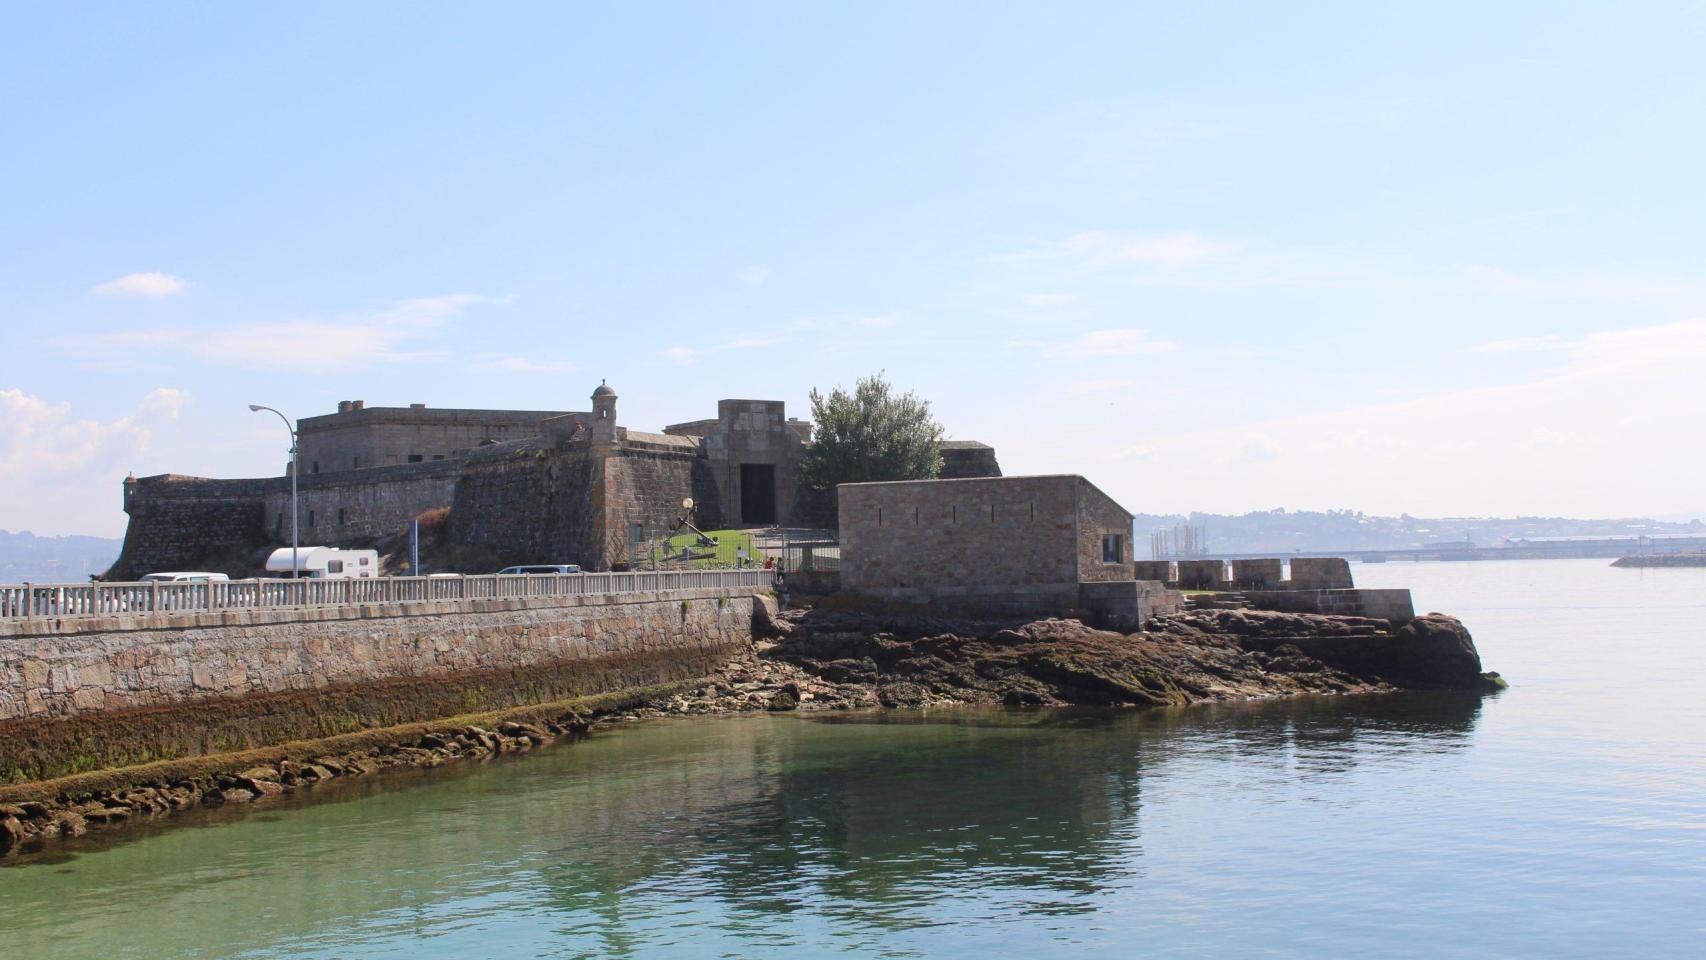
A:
(1520, 345)
(877, 323)
(388, 333)
(1167, 252)
(1584, 285)
(1050, 299)
(755, 276)
(525, 364)
(1119, 342)
(1190, 260)
(1108, 385)
(685, 356)
(141, 285)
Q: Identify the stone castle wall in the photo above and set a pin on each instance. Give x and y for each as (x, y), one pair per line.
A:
(359, 438)
(75, 701)
(179, 523)
(524, 503)
(358, 508)
(643, 488)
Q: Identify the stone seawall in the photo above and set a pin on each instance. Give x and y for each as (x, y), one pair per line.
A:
(74, 699)
(1393, 605)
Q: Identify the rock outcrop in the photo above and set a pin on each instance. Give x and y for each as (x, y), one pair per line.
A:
(850, 659)
(834, 660)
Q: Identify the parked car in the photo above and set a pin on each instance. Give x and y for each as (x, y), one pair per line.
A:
(541, 568)
(184, 576)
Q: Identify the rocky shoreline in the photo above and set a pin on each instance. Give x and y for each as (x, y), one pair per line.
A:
(824, 659)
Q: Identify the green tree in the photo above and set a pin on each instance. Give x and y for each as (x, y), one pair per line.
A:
(872, 434)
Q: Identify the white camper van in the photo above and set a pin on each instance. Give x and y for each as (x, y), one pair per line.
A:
(326, 563)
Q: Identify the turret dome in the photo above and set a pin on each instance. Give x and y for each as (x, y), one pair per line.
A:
(603, 390)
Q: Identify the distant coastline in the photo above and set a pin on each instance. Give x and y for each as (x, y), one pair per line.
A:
(1663, 560)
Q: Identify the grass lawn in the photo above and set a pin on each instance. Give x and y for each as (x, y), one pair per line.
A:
(728, 541)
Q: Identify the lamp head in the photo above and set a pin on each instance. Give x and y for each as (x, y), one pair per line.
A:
(254, 408)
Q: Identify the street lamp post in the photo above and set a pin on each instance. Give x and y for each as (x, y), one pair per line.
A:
(295, 550)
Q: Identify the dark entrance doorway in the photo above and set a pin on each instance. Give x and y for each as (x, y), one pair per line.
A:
(757, 493)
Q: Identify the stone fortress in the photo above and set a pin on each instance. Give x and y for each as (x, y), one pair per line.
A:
(521, 486)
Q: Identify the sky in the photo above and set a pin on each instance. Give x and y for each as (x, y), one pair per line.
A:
(1435, 258)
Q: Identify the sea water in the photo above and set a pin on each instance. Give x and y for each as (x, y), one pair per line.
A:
(1564, 817)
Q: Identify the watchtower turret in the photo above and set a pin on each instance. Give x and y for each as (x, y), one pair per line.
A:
(603, 427)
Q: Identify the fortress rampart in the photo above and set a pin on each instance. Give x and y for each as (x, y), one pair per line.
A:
(521, 486)
(179, 522)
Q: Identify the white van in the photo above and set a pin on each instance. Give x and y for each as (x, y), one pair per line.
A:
(184, 576)
(326, 563)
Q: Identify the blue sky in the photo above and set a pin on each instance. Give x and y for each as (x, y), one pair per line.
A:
(1436, 258)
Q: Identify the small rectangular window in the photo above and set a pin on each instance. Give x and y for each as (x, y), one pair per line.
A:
(415, 458)
(1111, 547)
(355, 463)
(316, 467)
(341, 520)
(310, 518)
(334, 566)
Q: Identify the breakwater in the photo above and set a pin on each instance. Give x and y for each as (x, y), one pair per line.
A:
(1663, 560)
(92, 693)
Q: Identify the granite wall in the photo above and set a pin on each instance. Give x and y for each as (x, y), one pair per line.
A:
(74, 698)
(643, 488)
(1013, 541)
(1202, 574)
(359, 437)
(356, 508)
(1320, 573)
(191, 523)
(1393, 605)
(524, 503)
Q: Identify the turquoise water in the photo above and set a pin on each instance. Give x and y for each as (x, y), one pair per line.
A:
(1564, 817)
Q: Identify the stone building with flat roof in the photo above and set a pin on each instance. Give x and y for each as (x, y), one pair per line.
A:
(1019, 544)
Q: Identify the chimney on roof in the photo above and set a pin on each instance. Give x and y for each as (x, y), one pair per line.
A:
(358, 404)
(417, 406)
(345, 406)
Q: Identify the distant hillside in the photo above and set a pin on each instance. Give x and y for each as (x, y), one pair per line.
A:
(25, 557)
(1286, 531)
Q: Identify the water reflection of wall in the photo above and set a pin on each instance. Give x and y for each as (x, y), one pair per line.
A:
(864, 824)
